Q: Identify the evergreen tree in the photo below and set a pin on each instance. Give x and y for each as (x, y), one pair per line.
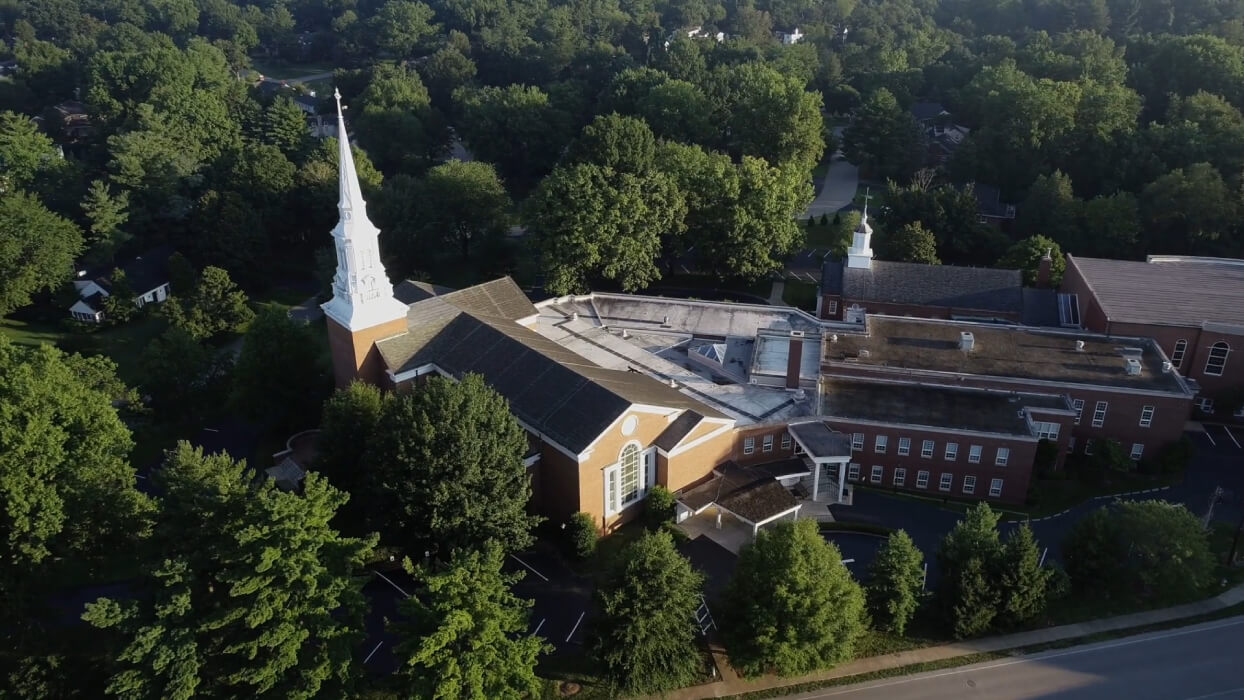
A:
(466, 635)
(896, 583)
(974, 541)
(1026, 255)
(910, 243)
(811, 621)
(446, 470)
(975, 601)
(183, 377)
(215, 306)
(119, 305)
(647, 643)
(263, 601)
(1023, 584)
(107, 213)
(884, 139)
(285, 126)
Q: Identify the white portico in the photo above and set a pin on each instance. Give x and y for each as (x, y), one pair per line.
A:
(823, 449)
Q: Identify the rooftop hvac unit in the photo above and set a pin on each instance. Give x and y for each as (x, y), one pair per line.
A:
(1079, 346)
(1167, 367)
(967, 341)
(1133, 365)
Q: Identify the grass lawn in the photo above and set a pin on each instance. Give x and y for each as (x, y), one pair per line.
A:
(835, 237)
(283, 70)
(124, 344)
(800, 295)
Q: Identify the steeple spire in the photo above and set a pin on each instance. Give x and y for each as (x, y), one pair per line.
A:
(362, 294)
(860, 254)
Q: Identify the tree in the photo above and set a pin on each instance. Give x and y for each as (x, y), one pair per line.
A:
(263, 600)
(1188, 210)
(397, 125)
(967, 559)
(464, 205)
(910, 243)
(623, 144)
(214, 306)
(582, 535)
(592, 221)
(896, 583)
(809, 622)
(950, 213)
(119, 305)
(348, 424)
(37, 249)
(1050, 210)
(975, 604)
(183, 377)
(647, 643)
(107, 213)
(514, 127)
(447, 470)
(1139, 550)
(466, 635)
(1108, 225)
(280, 376)
(285, 126)
(771, 116)
(1026, 255)
(883, 139)
(25, 152)
(445, 71)
(1023, 584)
(399, 27)
(659, 507)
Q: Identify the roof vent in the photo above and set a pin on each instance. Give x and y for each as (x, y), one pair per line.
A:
(1167, 367)
(1079, 346)
(673, 384)
(626, 333)
(796, 334)
(665, 320)
(967, 341)
(833, 338)
(1133, 366)
(863, 353)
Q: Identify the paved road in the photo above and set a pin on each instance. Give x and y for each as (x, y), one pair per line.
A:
(842, 179)
(1191, 663)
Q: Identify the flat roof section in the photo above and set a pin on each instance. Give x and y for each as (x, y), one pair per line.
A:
(819, 440)
(924, 405)
(1167, 290)
(1004, 351)
(704, 319)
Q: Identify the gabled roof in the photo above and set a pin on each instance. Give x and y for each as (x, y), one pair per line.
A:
(550, 388)
(750, 493)
(924, 111)
(679, 429)
(982, 288)
(148, 270)
(1191, 290)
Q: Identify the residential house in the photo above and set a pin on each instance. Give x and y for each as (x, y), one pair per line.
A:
(942, 136)
(991, 207)
(146, 274)
(790, 38)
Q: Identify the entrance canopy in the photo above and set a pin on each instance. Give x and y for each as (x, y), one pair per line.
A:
(750, 494)
(820, 442)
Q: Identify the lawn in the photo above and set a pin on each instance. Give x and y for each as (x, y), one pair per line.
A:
(834, 236)
(123, 344)
(279, 69)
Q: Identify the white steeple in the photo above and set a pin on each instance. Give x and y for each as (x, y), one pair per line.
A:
(860, 254)
(362, 293)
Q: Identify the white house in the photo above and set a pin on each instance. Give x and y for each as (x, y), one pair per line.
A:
(794, 36)
(146, 274)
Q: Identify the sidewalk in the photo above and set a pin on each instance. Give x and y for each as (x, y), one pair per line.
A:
(732, 684)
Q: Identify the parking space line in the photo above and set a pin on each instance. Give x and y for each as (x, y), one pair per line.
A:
(1232, 436)
(537, 629)
(390, 582)
(576, 625)
(1212, 441)
(529, 566)
(373, 652)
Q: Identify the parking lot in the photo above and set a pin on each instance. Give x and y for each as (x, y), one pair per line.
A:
(1220, 439)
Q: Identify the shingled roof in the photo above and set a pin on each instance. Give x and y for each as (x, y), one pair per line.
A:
(751, 493)
(1192, 290)
(553, 390)
(980, 288)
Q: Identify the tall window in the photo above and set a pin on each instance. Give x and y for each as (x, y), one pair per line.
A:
(767, 444)
(627, 481)
(785, 441)
(881, 444)
(1078, 405)
(974, 454)
(832, 308)
(952, 451)
(1046, 430)
(1137, 450)
(1146, 416)
(629, 475)
(853, 471)
(926, 449)
(1099, 413)
(857, 442)
(1004, 456)
(904, 447)
(1177, 357)
(945, 482)
(995, 488)
(969, 484)
(1217, 360)
(877, 473)
(922, 479)
(1088, 446)
(900, 476)
(749, 445)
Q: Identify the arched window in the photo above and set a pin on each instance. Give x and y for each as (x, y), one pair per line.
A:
(1217, 359)
(1177, 357)
(629, 470)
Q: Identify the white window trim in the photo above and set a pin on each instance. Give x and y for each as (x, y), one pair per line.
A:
(1078, 405)
(853, 471)
(969, 484)
(1002, 457)
(1047, 430)
(1177, 355)
(995, 488)
(945, 484)
(1146, 416)
(1220, 366)
(766, 445)
(832, 306)
(952, 451)
(877, 474)
(881, 444)
(974, 454)
(749, 445)
(922, 479)
(1088, 446)
(857, 442)
(1138, 451)
(904, 446)
(900, 476)
(927, 448)
(1206, 405)
(786, 441)
(1099, 413)
(645, 478)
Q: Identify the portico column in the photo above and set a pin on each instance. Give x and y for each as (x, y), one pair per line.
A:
(842, 480)
(816, 479)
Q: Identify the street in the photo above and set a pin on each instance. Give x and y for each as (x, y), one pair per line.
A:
(1191, 663)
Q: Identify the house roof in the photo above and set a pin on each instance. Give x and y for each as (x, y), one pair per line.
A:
(550, 388)
(989, 202)
(751, 493)
(1192, 290)
(923, 111)
(951, 408)
(410, 291)
(981, 288)
(1016, 352)
(148, 270)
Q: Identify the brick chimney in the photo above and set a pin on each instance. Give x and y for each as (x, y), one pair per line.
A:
(1043, 270)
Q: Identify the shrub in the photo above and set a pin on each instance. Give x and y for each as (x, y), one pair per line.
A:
(581, 535)
(1171, 459)
(658, 507)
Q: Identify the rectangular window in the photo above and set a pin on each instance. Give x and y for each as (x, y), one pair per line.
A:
(1046, 430)
(926, 449)
(832, 307)
(1071, 444)
(1137, 450)
(1099, 414)
(900, 476)
(1177, 357)
(945, 482)
(1004, 456)
(875, 477)
(922, 479)
(853, 472)
(611, 491)
(974, 454)
(1146, 416)
(952, 451)
(749, 445)
(857, 442)
(880, 444)
(995, 488)
(904, 447)
(767, 444)
(1207, 406)
(1088, 446)
(1078, 405)
(785, 441)
(969, 484)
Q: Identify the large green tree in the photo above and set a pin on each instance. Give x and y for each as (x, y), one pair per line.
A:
(1026, 255)
(1050, 209)
(1139, 550)
(184, 377)
(910, 243)
(464, 633)
(348, 423)
(646, 642)
(399, 27)
(397, 125)
(281, 374)
(883, 139)
(463, 205)
(514, 127)
(446, 470)
(811, 621)
(896, 582)
(967, 559)
(771, 116)
(106, 214)
(214, 306)
(1023, 584)
(263, 601)
(284, 125)
(1189, 210)
(25, 152)
(37, 249)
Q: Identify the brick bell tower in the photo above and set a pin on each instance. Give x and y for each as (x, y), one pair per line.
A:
(363, 309)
